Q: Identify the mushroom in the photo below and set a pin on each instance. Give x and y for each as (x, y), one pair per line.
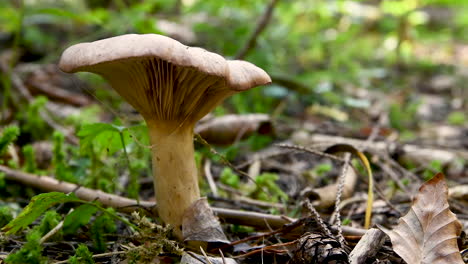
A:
(172, 86)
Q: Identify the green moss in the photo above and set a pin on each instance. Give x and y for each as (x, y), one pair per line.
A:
(82, 256)
(29, 159)
(30, 252)
(9, 135)
(103, 225)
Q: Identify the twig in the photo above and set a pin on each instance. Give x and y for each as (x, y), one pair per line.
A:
(127, 205)
(50, 184)
(264, 154)
(367, 246)
(312, 151)
(261, 25)
(209, 177)
(204, 254)
(291, 83)
(279, 240)
(222, 256)
(317, 218)
(53, 231)
(394, 177)
(270, 247)
(97, 256)
(341, 183)
(415, 153)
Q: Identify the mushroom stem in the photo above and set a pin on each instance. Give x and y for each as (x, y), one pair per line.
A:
(174, 170)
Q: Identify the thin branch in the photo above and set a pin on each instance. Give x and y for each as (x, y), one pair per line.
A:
(341, 184)
(261, 25)
(127, 205)
(316, 216)
(209, 177)
(312, 151)
(108, 254)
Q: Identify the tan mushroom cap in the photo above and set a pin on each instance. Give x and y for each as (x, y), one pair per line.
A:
(162, 78)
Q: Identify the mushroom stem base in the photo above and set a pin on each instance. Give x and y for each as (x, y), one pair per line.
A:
(174, 172)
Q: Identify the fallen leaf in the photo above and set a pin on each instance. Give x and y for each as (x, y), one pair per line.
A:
(200, 227)
(428, 233)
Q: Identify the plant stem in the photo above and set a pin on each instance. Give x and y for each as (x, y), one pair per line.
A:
(133, 186)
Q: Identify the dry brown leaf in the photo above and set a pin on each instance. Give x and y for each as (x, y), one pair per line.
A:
(428, 232)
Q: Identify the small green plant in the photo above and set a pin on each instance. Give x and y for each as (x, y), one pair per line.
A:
(103, 225)
(268, 180)
(30, 252)
(318, 173)
(402, 118)
(8, 136)
(241, 229)
(29, 159)
(50, 220)
(82, 256)
(322, 169)
(34, 123)
(230, 178)
(435, 166)
(99, 139)
(258, 142)
(346, 221)
(62, 171)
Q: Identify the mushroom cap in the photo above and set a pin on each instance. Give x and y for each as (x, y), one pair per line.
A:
(162, 78)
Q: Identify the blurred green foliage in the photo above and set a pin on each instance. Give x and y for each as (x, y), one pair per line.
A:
(34, 124)
(268, 180)
(8, 136)
(5, 215)
(335, 42)
(230, 178)
(457, 118)
(432, 169)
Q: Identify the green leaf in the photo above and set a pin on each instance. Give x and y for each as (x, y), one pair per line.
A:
(101, 136)
(79, 217)
(38, 205)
